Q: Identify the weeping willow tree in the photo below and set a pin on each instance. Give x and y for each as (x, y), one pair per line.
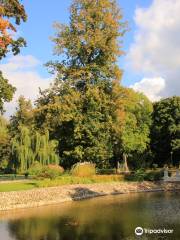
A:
(44, 149)
(28, 147)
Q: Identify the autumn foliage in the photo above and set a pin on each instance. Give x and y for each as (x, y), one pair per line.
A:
(10, 9)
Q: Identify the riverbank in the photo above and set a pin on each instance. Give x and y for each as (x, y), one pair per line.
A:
(55, 195)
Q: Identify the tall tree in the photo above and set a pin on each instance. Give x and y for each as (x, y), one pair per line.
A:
(22, 116)
(90, 43)
(165, 133)
(77, 108)
(132, 122)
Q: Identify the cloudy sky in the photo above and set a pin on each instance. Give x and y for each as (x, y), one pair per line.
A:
(151, 64)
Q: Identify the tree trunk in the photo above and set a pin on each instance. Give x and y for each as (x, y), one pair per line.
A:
(125, 162)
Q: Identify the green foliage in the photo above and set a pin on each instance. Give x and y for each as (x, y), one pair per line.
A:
(6, 92)
(79, 102)
(165, 132)
(28, 147)
(50, 171)
(135, 135)
(4, 143)
(90, 43)
(131, 123)
(35, 168)
(23, 116)
(154, 175)
(85, 117)
(142, 175)
(83, 169)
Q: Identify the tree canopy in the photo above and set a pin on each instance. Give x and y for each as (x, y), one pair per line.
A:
(165, 133)
(6, 92)
(10, 9)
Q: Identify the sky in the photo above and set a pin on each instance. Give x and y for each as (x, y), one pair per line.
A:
(151, 64)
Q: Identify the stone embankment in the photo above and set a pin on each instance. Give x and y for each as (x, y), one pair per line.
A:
(55, 195)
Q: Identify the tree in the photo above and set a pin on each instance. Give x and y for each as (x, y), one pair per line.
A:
(29, 146)
(4, 143)
(10, 9)
(80, 122)
(77, 108)
(23, 115)
(132, 112)
(165, 132)
(6, 92)
(90, 43)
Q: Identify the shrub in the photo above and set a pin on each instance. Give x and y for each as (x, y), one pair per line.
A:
(50, 171)
(85, 169)
(35, 168)
(106, 171)
(154, 176)
(141, 175)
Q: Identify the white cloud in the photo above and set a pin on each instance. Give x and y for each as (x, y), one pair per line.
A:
(156, 50)
(151, 87)
(22, 73)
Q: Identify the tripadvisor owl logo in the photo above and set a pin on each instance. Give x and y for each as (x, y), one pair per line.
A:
(139, 231)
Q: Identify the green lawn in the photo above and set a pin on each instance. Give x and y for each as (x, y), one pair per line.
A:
(63, 180)
(17, 186)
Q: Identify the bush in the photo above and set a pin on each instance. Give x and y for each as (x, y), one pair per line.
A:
(154, 176)
(35, 168)
(85, 169)
(50, 171)
(141, 175)
(106, 171)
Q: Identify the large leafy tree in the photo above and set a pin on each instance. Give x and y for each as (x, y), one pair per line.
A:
(77, 108)
(29, 146)
(131, 124)
(23, 116)
(165, 133)
(90, 43)
(80, 122)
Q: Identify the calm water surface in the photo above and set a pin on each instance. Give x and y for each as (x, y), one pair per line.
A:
(103, 218)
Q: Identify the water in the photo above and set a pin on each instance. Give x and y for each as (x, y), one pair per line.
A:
(103, 218)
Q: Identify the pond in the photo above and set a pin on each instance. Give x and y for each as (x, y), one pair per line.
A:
(104, 218)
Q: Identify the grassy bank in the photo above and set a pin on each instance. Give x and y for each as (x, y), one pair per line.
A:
(63, 180)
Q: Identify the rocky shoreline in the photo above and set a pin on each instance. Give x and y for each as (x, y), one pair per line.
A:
(55, 195)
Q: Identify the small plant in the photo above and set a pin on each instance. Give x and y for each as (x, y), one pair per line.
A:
(85, 169)
(50, 171)
(35, 168)
(154, 176)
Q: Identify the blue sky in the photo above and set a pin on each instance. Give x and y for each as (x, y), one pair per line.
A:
(38, 29)
(151, 64)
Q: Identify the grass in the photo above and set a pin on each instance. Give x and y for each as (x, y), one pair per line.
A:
(63, 180)
(17, 186)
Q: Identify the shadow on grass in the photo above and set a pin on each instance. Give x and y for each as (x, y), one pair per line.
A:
(34, 184)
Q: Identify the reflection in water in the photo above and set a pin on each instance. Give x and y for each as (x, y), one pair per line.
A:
(103, 218)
